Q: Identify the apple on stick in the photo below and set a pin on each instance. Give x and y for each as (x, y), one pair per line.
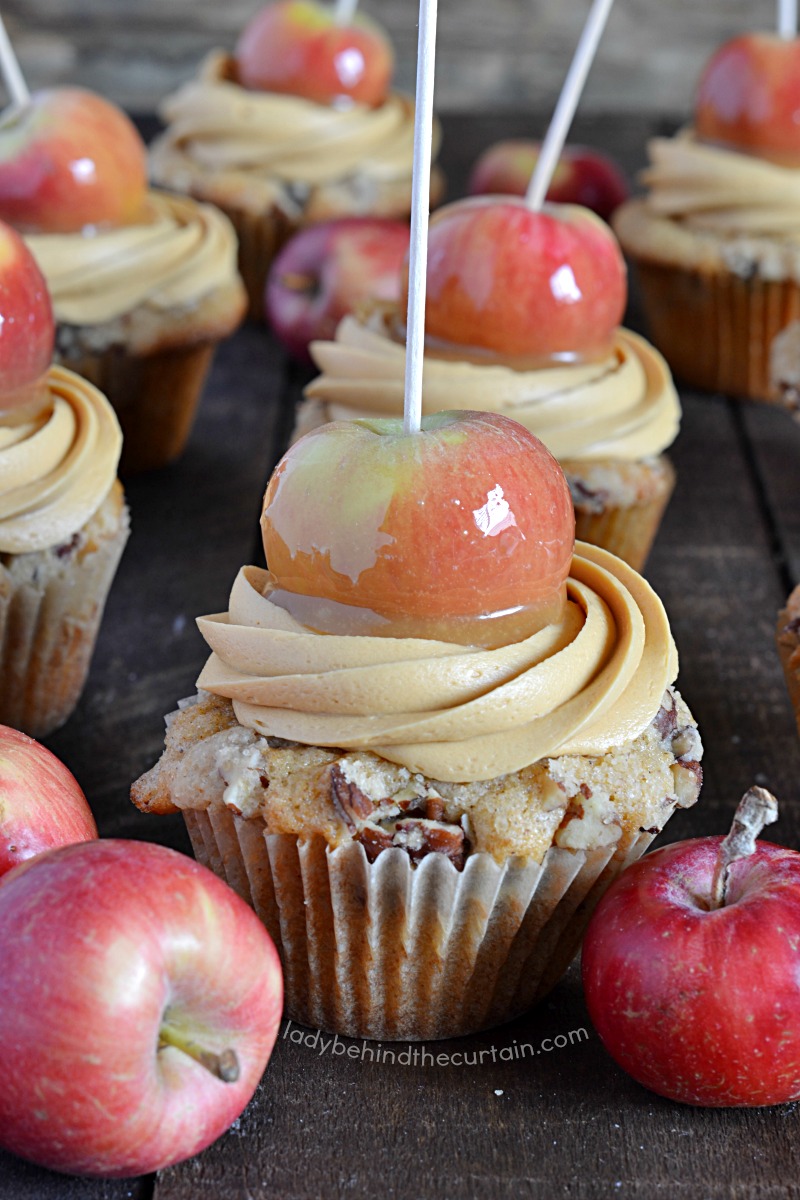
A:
(300, 48)
(691, 967)
(325, 271)
(41, 803)
(141, 999)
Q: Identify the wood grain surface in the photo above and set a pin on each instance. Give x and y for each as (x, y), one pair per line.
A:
(537, 1109)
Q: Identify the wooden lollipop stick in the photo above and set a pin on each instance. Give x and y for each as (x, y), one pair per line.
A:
(567, 103)
(420, 205)
(787, 19)
(12, 75)
(345, 11)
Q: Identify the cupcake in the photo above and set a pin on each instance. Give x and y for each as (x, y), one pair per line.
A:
(63, 520)
(788, 635)
(425, 808)
(715, 239)
(599, 396)
(297, 126)
(143, 285)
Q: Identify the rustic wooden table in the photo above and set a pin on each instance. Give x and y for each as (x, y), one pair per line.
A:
(566, 1122)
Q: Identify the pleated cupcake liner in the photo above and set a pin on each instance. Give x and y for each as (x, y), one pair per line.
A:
(155, 397)
(49, 620)
(261, 238)
(391, 951)
(716, 329)
(629, 530)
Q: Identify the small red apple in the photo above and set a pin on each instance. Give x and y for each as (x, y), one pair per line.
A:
(749, 97)
(534, 286)
(41, 802)
(70, 160)
(27, 332)
(691, 967)
(140, 999)
(297, 47)
(462, 531)
(582, 175)
(326, 271)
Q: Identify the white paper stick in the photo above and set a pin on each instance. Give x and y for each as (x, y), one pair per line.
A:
(787, 19)
(420, 205)
(12, 75)
(345, 11)
(567, 103)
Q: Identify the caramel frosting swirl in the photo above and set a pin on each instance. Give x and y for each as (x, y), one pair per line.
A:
(623, 407)
(720, 190)
(256, 142)
(583, 685)
(56, 470)
(181, 253)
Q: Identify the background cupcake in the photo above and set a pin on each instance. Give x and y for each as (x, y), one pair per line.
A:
(425, 824)
(715, 239)
(299, 125)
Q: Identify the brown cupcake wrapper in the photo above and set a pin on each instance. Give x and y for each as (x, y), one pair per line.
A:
(628, 530)
(390, 951)
(717, 329)
(261, 237)
(155, 397)
(48, 627)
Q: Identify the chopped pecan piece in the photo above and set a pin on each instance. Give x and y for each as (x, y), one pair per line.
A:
(665, 721)
(420, 837)
(586, 791)
(434, 808)
(348, 799)
(374, 840)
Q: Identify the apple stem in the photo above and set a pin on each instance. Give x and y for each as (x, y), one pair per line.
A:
(224, 1066)
(757, 808)
(345, 11)
(787, 19)
(14, 79)
(564, 111)
(420, 205)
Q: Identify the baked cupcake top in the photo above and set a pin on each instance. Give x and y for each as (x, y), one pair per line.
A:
(710, 205)
(624, 406)
(56, 470)
(258, 149)
(183, 253)
(583, 685)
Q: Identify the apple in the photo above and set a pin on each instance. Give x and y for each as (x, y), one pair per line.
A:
(41, 802)
(462, 531)
(141, 999)
(526, 285)
(27, 332)
(70, 160)
(691, 967)
(582, 175)
(749, 97)
(298, 47)
(326, 271)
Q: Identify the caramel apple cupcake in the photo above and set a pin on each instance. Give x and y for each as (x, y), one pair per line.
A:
(143, 285)
(552, 356)
(63, 520)
(715, 238)
(299, 125)
(788, 635)
(422, 752)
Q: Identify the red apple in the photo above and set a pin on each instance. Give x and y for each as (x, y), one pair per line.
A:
(462, 531)
(749, 97)
(70, 160)
(27, 332)
(326, 271)
(696, 991)
(140, 999)
(533, 286)
(41, 803)
(297, 47)
(582, 176)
